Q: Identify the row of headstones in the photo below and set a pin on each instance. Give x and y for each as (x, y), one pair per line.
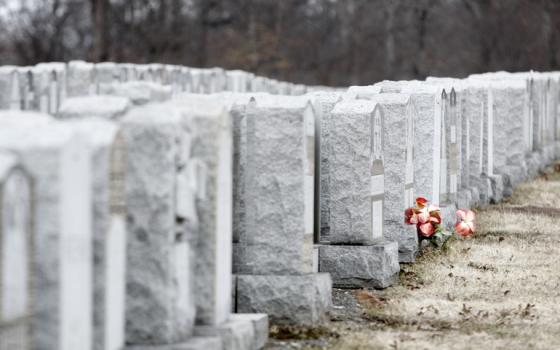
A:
(320, 183)
(45, 86)
(116, 229)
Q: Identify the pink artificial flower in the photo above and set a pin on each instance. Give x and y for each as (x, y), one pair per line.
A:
(423, 215)
(427, 230)
(410, 217)
(465, 223)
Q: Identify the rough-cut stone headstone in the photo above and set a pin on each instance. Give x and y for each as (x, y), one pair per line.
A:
(509, 106)
(399, 114)
(356, 194)
(139, 92)
(81, 80)
(160, 301)
(101, 106)
(212, 147)
(9, 86)
(356, 174)
(16, 254)
(280, 175)
(427, 140)
(236, 81)
(323, 104)
(109, 230)
(58, 158)
(275, 248)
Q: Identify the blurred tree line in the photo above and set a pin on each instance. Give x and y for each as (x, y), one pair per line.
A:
(330, 42)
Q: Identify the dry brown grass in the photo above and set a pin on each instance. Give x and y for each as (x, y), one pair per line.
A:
(499, 290)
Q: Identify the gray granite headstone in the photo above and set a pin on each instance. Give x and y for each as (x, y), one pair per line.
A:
(399, 114)
(16, 254)
(58, 158)
(160, 302)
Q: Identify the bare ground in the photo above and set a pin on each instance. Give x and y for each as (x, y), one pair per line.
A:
(498, 290)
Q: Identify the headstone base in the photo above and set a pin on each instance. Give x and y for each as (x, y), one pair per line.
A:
(549, 153)
(287, 299)
(485, 190)
(367, 266)
(497, 183)
(475, 195)
(448, 215)
(240, 332)
(464, 198)
(195, 343)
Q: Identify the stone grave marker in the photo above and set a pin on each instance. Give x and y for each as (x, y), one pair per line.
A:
(101, 106)
(160, 307)
(280, 171)
(399, 113)
(358, 255)
(58, 158)
(16, 254)
(81, 79)
(109, 151)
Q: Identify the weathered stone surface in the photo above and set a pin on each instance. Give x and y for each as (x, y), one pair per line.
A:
(194, 343)
(160, 304)
(106, 107)
(301, 299)
(278, 236)
(16, 255)
(212, 146)
(398, 111)
(59, 161)
(368, 266)
(239, 332)
(139, 92)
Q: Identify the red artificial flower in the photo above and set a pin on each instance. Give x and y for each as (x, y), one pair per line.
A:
(421, 202)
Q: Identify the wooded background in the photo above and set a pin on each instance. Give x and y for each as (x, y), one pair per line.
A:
(327, 42)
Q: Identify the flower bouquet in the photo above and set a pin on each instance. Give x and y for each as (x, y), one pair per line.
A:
(428, 221)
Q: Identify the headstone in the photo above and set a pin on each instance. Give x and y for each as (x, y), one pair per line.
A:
(109, 230)
(160, 307)
(16, 254)
(41, 80)
(236, 81)
(139, 92)
(8, 75)
(399, 115)
(212, 147)
(323, 104)
(81, 79)
(275, 249)
(356, 195)
(509, 106)
(101, 106)
(58, 159)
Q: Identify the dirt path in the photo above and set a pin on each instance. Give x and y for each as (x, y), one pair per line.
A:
(500, 290)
